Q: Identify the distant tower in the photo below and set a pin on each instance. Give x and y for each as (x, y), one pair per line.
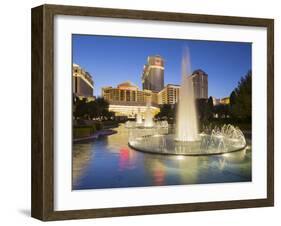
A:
(200, 84)
(153, 74)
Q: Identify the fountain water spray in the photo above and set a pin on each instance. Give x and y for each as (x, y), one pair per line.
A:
(139, 117)
(148, 124)
(148, 120)
(186, 125)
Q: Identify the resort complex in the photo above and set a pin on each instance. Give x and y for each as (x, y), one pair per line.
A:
(126, 99)
(165, 119)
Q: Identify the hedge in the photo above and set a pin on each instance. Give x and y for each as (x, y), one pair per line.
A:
(83, 131)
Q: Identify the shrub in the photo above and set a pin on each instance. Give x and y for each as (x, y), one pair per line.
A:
(83, 131)
(99, 125)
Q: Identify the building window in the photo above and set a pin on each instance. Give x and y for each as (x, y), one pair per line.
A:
(122, 96)
(128, 95)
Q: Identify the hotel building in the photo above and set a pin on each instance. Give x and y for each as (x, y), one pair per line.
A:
(222, 101)
(82, 82)
(225, 101)
(169, 95)
(200, 84)
(153, 74)
(127, 100)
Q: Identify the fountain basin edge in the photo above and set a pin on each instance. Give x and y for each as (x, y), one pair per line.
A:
(170, 152)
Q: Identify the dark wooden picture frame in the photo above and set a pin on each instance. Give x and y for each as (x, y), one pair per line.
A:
(42, 203)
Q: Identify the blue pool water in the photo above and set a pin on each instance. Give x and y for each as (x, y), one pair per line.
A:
(108, 162)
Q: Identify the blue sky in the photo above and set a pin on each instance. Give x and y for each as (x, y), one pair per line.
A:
(112, 60)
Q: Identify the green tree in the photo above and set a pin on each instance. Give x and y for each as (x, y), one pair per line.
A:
(93, 109)
(80, 108)
(102, 108)
(221, 110)
(205, 109)
(210, 108)
(97, 109)
(241, 98)
(232, 97)
(167, 112)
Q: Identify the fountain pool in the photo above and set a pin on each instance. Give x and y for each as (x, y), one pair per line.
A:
(219, 141)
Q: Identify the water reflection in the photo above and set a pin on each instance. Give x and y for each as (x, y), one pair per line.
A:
(109, 163)
(82, 154)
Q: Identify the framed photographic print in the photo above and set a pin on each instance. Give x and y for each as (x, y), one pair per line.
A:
(141, 112)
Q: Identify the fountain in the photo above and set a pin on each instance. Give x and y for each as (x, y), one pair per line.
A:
(221, 140)
(139, 117)
(148, 120)
(187, 140)
(186, 126)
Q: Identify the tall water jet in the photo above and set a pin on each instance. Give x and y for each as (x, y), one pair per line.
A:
(139, 117)
(186, 124)
(148, 120)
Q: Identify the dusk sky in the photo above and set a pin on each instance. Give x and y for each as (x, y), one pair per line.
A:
(112, 60)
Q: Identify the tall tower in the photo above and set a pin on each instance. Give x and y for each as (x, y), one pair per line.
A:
(200, 84)
(153, 74)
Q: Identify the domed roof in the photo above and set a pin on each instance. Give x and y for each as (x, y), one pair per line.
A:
(127, 85)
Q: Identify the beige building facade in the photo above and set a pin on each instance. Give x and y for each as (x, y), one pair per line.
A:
(168, 95)
(127, 100)
(82, 82)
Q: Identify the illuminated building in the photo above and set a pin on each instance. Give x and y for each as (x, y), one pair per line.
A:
(225, 101)
(82, 82)
(169, 95)
(222, 101)
(127, 100)
(215, 101)
(200, 84)
(153, 74)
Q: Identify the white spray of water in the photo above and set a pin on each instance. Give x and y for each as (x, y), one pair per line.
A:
(139, 117)
(186, 124)
(148, 120)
